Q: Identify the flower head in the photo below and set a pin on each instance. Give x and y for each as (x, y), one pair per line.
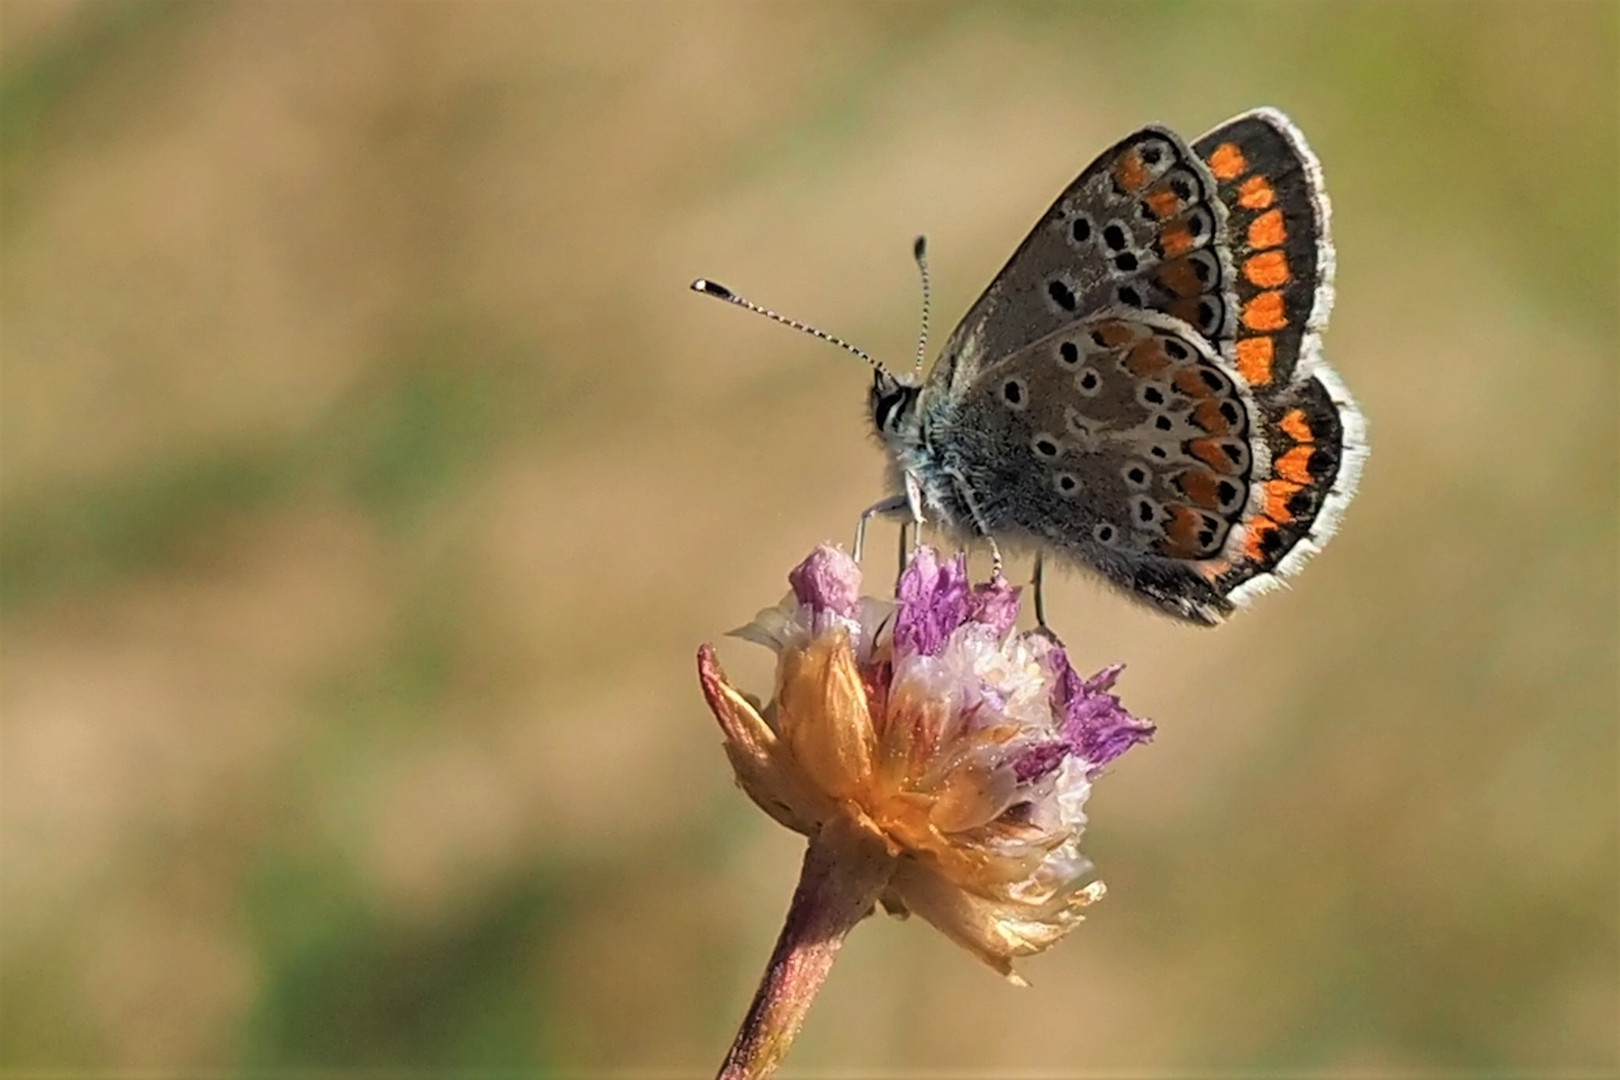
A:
(928, 725)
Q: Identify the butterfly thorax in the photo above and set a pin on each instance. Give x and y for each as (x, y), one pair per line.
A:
(903, 416)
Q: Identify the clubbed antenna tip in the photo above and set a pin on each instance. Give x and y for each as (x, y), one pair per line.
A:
(720, 292)
(712, 288)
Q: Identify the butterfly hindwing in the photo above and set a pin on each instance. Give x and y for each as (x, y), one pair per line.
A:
(1121, 441)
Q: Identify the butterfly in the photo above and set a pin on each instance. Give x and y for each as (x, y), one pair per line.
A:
(1140, 391)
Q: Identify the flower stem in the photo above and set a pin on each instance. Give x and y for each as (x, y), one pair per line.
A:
(845, 869)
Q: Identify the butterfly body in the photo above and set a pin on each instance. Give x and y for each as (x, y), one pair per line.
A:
(1140, 391)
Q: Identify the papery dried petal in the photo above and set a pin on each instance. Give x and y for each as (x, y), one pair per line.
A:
(995, 931)
(1041, 759)
(774, 628)
(1095, 725)
(821, 714)
(972, 796)
(932, 603)
(972, 921)
(995, 604)
(828, 580)
(755, 753)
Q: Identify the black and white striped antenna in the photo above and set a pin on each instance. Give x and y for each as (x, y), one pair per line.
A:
(919, 251)
(720, 292)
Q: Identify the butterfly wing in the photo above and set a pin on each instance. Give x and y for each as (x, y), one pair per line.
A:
(1310, 434)
(1142, 227)
(1141, 388)
(1121, 442)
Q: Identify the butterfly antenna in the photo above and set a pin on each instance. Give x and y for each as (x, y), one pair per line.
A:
(720, 292)
(919, 251)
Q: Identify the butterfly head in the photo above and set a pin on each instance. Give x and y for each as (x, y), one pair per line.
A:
(894, 405)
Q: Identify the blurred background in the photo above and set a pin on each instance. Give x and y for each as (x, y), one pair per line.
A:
(370, 478)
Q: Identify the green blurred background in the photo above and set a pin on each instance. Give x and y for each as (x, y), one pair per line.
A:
(370, 478)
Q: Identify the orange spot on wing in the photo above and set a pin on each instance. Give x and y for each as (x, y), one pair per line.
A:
(1188, 382)
(1278, 493)
(1208, 416)
(1255, 532)
(1265, 312)
(1162, 201)
(1179, 277)
(1268, 269)
(1254, 360)
(1294, 465)
(1182, 533)
(1227, 162)
(1185, 310)
(1255, 193)
(1175, 239)
(1130, 172)
(1210, 453)
(1199, 486)
(1267, 230)
(1114, 333)
(1147, 359)
(1296, 427)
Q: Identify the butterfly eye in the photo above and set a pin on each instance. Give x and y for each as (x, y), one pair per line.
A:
(887, 407)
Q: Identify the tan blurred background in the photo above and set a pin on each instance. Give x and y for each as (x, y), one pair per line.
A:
(370, 478)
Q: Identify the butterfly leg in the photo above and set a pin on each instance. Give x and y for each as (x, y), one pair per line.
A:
(978, 521)
(887, 506)
(1037, 581)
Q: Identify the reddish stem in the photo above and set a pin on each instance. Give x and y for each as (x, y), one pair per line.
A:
(844, 872)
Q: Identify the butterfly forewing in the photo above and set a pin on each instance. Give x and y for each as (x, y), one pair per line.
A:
(1140, 228)
(1308, 427)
